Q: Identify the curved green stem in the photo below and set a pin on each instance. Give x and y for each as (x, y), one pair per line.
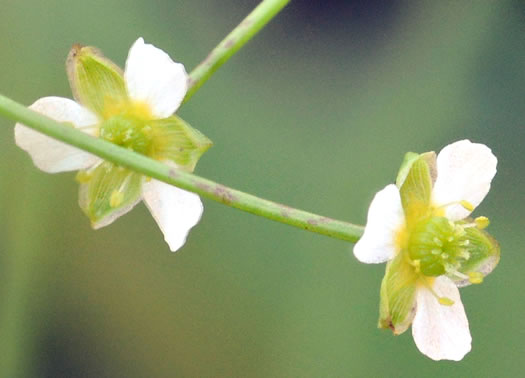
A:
(204, 187)
(248, 27)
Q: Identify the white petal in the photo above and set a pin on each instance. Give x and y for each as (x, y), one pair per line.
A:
(385, 218)
(49, 154)
(152, 77)
(175, 210)
(441, 332)
(464, 173)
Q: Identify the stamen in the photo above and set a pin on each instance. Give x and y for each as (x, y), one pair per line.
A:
(442, 300)
(84, 176)
(450, 268)
(437, 241)
(445, 301)
(459, 231)
(461, 275)
(116, 198)
(417, 265)
(467, 205)
(475, 277)
(463, 253)
(482, 222)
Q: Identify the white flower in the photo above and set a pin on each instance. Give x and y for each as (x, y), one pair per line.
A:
(420, 227)
(133, 109)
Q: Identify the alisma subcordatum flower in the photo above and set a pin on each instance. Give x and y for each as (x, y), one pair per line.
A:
(133, 109)
(421, 226)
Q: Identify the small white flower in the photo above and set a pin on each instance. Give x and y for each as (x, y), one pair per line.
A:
(420, 226)
(133, 109)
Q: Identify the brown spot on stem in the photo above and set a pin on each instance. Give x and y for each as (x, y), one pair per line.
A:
(173, 173)
(286, 211)
(225, 195)
(204, 187)
(229, 43)
(246, 23)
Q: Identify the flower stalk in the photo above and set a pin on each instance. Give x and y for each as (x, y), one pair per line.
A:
(184, 180)
(236, 39)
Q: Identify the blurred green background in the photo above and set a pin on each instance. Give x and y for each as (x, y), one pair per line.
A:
(316, 112)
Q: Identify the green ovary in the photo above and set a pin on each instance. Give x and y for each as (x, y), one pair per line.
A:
(438, 245)
(129, 132)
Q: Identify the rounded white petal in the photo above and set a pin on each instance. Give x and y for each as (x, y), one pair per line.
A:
(49, 154)
(175, 210)
(152, 77)
(464, 173)
(385, 219)
(441, 332)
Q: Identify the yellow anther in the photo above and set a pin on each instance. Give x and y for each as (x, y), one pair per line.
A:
(445, 301)
(463, 253)
(475, 277)
(417, 265)
(482, 222)
(116, 198)
(83, 176)
(467, 205)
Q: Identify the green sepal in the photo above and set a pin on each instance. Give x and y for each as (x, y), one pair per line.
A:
(416, 190)
(397, 296)
(175, 140)
(408, 160)
(96, 81)
(484, 254)
(108, 191)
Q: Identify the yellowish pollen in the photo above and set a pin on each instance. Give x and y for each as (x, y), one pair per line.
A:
(417, 265)
(467, 205)
(482, 222)
(83, 177)
(463, 253)
(475, 277)
(445, 301)
(116, 198)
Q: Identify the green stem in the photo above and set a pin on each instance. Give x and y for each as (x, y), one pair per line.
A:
(204, 187)
(250, 26)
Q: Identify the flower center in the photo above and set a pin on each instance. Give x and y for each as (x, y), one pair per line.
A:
(128, 131)
(438, 246)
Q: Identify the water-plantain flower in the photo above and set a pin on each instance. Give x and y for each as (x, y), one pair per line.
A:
(133, 109)
(421, 226)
